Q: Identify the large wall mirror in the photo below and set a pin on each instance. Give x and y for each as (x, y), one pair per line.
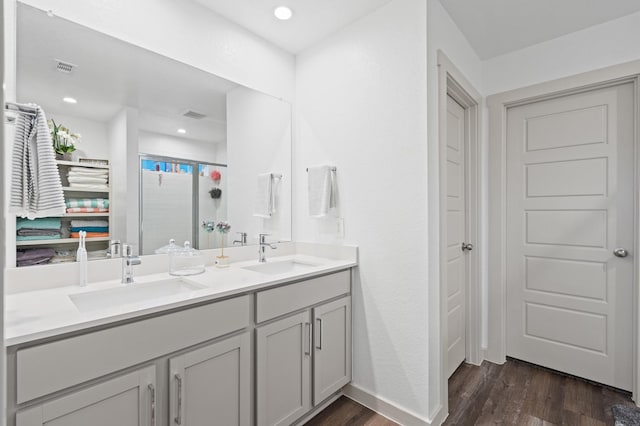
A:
(183, 146)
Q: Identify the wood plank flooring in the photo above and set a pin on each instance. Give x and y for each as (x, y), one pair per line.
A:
(347, 412)
(518, 393)
(515, 393)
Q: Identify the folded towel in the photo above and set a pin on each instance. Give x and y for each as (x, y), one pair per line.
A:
(90, 235)
(88, 170)
(26, 232)
(265, 196)
(322, 191)
(91, 187)
(87, 180)
(90, 229)
(97, 254)
(34, 256)
(86, 210)
(63, 256)
(42, 223)
(94, 223)
(88, 202)
(37, 237)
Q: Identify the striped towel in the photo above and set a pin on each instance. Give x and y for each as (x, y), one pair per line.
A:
(88, 202)
(86, 210)
(93, 223)
(36, 190)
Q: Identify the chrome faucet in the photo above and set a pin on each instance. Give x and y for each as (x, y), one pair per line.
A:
(243, 239)
(261, 247)
(128, 262)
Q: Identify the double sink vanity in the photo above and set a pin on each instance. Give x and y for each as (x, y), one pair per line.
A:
(251, 344)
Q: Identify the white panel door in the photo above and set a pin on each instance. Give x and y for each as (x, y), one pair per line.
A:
(569, 206)
(128, 400)
(211, 385)
(456, 232)
(283, 370)
(331, 348)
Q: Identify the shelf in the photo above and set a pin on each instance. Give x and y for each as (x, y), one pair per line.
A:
(70, 189)
(59, 241)
(77, 164)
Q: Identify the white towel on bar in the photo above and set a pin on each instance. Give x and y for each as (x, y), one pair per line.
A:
(322, 190)
(265, 196)
(36, 189)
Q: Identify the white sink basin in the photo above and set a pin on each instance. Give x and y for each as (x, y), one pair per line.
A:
(131, 293)
(280, 267)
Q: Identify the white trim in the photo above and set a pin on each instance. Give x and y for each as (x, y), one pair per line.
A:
(386, 408)
(498, 104)
(451, 82)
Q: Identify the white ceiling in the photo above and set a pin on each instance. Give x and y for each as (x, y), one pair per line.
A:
(312, 20)
(161, 88)
(496, 27)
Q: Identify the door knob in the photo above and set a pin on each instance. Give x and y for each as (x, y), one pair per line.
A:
(620, 252)
(467, 246)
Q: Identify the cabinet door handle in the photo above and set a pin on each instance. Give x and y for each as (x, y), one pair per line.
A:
(178, 418)
(319, 343)
(307, 328)
(152, 391)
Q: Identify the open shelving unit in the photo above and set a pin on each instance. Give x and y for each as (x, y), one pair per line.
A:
(71, 192)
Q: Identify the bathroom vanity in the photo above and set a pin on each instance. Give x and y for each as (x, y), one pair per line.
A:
(263, 344)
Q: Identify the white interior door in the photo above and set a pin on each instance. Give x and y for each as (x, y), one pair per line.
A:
(569, 206)
(456, 232)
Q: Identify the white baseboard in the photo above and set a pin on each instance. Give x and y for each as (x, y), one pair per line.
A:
(388, 409)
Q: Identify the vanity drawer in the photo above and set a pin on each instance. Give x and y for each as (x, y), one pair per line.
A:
(289, 298)
(54, 366)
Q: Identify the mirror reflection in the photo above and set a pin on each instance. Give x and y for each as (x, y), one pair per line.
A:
(182, 146)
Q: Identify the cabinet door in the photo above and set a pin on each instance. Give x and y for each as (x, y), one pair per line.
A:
(211, 385)
(128, 400)
(283, 370)
(331, 348)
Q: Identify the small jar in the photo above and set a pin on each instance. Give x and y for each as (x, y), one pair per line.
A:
(186, 261)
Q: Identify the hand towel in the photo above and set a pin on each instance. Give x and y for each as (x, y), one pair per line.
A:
(28, 232)
(90, 229)
(38, 237)
(91, 187)
(265, 196)
(88, 170)
(322, 191)
(89, 234)
(36, 189)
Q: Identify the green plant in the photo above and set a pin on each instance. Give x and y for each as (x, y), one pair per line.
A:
(63, 139)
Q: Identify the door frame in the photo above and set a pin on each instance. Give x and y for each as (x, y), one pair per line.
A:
(498, 105)
(451, 82)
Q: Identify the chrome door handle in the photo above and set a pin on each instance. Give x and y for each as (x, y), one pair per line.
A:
(178, 418)
(467, 246)
(152, 391)
(621, 252)
(307, 328)
(319, 325)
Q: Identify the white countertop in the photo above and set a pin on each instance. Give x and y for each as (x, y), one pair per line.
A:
(38, 314)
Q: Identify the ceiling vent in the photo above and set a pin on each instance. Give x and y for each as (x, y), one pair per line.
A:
(194, 115)
(64, 67)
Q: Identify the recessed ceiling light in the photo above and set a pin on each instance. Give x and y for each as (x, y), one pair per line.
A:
(283, 13)
(70, 100)
(182, 131)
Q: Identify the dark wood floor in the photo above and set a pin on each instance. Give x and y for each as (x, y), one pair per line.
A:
(347, 412)
(515, 393)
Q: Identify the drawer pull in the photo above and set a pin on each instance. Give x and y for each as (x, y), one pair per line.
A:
(319, 343)
(152, 392)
